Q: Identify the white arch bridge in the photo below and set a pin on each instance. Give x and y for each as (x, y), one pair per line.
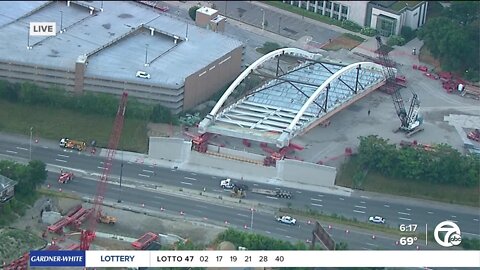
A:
(292, 102)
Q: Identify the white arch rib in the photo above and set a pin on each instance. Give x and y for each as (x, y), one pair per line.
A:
(319, 90)
(203, 125)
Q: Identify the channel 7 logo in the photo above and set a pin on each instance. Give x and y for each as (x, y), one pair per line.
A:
(451, 234)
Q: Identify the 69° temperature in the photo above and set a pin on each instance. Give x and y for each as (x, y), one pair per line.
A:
(408, 241)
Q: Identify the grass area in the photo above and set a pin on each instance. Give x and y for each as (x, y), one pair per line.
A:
(345, 41)
(14, 243)
(53, 193)
(54, 124)
(424, 56)
(423, 190)
(308, 14)
(399, 5)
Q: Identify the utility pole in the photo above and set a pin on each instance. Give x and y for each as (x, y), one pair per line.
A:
(279, 23)
(28, 39)
(31, 135)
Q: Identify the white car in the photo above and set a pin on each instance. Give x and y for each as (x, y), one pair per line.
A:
(377, 219)
(227, 184)
(143, 75)
(287, 220)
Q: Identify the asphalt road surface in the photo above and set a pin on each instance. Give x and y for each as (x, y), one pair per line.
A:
(352, 207)
(241, 219)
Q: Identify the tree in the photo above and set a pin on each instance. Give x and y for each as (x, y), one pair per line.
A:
(38, 172)
(341, 246)
(161, 114)
(192, 12)
(453, 37)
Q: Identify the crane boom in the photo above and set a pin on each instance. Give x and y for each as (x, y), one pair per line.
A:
(88, 235)
(410, 121)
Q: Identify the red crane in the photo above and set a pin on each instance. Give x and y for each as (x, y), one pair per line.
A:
(88, 235)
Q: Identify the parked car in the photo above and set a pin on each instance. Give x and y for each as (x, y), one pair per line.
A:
(143, 75)
(377, 219)
(287, 220)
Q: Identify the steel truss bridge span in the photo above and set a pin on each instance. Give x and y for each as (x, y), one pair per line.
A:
(291, 102)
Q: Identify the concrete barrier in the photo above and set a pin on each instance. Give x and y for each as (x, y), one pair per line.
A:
(306, 173)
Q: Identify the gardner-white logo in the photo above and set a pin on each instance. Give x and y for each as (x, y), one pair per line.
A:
(452, 235)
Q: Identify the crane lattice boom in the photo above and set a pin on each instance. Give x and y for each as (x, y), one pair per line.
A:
(88, 235)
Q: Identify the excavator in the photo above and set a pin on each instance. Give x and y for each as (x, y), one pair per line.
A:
(411, 120)
(238, 193)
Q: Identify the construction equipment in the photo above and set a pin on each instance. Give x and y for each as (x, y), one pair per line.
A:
(238, 193)
(271, 192)
(411, 121)
(144, 241)
(72, 144)
(414, 144)
(106, 219)
(65, 177)
(88, 235)
(474, 135)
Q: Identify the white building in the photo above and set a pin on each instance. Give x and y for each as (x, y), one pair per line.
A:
(388, 17)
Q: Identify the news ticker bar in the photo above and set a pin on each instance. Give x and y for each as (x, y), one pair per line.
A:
(267, 258)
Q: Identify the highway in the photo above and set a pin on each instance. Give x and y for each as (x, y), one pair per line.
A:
(353, 207)
(234, 217)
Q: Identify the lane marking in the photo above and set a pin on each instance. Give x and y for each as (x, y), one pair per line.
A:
(370, 244)
(356, 211)
(194, 173)
(280, 229)
(151, 166)
(430, 212)
(475, 219)
(362, 202)
(214, 177)
(148, 171)
(108, 163)
(218, 190)
(255, 185)
(190, 178)
(101, 168)
(341, 199)
(46, 147)
(242, 215)
(144, 175)
(11, 152)
(274, 198)
(402, 218)
(359, 206)
(408, 209)
(186, 183)
(288, 236)
(267, 232)
(60, 160)
(65, 156)
(299, 192)
(386, 205)
(454, 216)
(364, 197)
(318, 200)
(320, 195)
(316, 204)
(21, 148)
(403, 213)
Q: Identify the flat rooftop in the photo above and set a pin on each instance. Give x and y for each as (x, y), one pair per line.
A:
(123, 44)
(265, 114)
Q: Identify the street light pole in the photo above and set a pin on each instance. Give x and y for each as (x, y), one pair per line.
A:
(61, 21)
(251, 220)
(146, 55)
(28, 38)
(263, 20)
(279, 23)
(31, 135)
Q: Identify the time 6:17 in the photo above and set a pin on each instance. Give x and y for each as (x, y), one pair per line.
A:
(408, 227)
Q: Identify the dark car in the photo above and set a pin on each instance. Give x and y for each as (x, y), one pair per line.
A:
(241, 186)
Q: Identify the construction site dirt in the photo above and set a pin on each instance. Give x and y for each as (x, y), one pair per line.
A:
(117, 236)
